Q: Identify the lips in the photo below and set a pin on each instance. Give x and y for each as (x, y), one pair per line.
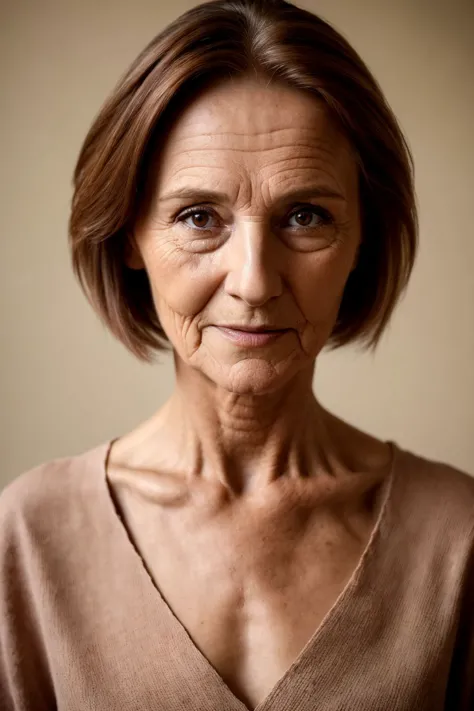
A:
(251, 336)
(252, 329)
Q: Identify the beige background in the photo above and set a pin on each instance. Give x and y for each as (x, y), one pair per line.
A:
(66, 385)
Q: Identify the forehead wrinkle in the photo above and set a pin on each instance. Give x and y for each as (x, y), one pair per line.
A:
(189, 168)
(292, 145)
(183, 178)
(318, 135)
(246, 180)
(208, 132)
(179, 177)
(315, 163)
(311, 162)
(277, 188)
(319, 156)
(285, 174)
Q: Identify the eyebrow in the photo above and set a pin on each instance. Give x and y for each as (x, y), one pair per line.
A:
(217, 196)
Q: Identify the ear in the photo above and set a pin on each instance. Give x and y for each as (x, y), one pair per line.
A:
(133, 258)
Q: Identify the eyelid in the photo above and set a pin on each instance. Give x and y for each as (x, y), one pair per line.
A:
(308, 206)
(186, 212)
(195, 208)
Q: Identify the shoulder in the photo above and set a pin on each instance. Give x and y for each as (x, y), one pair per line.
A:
(40, 498)
(49, 518)
(433, 493)
(40, 515)
(442, 478)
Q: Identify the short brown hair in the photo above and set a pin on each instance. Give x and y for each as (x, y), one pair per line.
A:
(213, 41)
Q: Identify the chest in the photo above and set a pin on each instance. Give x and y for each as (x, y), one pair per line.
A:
(251, 591)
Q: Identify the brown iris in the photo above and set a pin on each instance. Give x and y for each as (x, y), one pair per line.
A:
(303, 217)
(200, 218)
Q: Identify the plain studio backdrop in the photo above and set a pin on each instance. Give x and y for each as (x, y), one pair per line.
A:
(66, 385)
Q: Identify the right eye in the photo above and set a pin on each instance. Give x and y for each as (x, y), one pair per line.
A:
(198, 219)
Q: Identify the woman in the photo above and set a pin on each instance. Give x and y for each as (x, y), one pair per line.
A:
(245, 196)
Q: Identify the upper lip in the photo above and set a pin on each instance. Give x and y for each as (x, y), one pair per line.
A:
(251, 329)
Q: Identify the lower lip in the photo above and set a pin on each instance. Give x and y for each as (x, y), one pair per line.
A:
(251, 339)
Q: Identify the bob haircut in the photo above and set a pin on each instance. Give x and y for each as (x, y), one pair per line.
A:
(278, 42)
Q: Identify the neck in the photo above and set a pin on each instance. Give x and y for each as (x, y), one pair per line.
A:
(244, 441)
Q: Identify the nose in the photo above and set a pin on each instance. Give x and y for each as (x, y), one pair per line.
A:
(252, 264)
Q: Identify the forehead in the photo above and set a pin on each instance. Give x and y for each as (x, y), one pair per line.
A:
(245, 127)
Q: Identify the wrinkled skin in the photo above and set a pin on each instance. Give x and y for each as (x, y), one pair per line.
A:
(243, 495)
(248, 258)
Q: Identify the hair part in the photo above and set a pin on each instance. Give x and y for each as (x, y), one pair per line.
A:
(223, 39)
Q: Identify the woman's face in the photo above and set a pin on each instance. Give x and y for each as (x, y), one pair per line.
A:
(253, 224)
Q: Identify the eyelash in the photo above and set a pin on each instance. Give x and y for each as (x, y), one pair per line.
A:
(320, 212)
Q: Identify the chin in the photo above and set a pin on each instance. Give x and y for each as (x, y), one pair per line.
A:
(253, 376)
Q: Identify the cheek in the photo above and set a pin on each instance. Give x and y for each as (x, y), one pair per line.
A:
(181, 284)
(318, 291)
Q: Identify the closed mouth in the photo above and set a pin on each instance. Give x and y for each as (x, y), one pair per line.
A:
(254, 329)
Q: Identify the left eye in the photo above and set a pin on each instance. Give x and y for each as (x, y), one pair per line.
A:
(305, 217)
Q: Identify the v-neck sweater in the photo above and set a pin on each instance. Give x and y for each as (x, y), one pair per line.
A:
(83, 627)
